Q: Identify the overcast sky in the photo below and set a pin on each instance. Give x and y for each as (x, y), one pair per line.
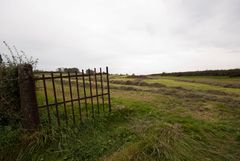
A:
(130, 36)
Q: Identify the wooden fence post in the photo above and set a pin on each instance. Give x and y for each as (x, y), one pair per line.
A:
(28, 98)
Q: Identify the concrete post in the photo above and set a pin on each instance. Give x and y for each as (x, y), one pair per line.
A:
(29, 109)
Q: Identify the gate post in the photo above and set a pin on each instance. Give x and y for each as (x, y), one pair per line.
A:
(29, 108)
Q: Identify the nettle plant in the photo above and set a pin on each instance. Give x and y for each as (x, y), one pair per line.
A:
(9, 85)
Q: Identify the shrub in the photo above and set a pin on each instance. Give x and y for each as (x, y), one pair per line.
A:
(9, 89)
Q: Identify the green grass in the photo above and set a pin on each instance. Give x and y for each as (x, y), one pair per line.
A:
(212, 80)
(193, 86)
(147, 123)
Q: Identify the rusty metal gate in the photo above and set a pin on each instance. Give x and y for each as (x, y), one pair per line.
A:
(68, 98)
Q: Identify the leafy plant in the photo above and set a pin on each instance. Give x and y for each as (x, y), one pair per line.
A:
(9, 90)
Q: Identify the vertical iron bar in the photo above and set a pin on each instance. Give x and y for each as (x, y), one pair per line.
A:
(84, 90)
(102, 88)
(91, 96)
(55, 99)
(46, 98)
(64, 100)
(95, 75)
(79, 103)
(70, 90)
(108, 88)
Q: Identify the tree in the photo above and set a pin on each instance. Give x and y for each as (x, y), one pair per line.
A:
(60, 70)
(89, 71)
(71, 70)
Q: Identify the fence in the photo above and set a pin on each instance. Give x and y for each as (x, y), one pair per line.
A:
(74, 95)
(53, 98)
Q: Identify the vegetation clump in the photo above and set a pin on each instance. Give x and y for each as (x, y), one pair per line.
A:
(9, 85)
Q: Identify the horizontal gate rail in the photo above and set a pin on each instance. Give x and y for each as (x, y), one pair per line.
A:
(64, 76)
(73, 100)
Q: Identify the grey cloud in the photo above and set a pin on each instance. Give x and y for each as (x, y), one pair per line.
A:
(136, 36)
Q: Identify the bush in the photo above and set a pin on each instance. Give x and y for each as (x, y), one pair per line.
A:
(9, 90)
(10, 103)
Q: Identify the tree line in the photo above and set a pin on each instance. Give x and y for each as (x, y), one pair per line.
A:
(73, 70)
(229, 72)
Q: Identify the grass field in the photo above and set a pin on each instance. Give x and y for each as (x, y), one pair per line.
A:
(153, 118)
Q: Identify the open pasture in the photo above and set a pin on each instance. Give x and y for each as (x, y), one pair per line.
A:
(153, 118)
